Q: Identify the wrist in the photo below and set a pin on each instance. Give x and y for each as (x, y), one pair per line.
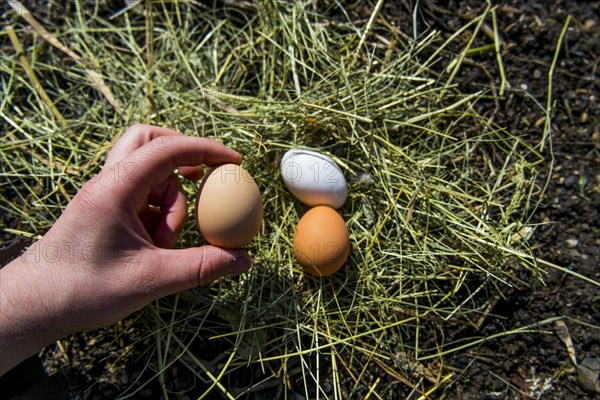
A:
(29, 310)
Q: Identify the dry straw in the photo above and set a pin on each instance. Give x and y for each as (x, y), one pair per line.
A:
(440, 196)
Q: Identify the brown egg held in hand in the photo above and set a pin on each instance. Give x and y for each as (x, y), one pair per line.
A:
(321, 243)
(229, 209)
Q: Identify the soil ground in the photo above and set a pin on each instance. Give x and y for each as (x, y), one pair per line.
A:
(519, 366)
(533, 365)
(538, 365)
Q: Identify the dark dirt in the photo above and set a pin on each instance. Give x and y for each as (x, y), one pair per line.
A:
(519, 366)
(538, 365)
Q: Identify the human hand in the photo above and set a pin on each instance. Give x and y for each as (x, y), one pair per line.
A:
(109, 253)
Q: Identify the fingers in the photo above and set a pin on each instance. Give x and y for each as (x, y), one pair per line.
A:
(169, 196)
(192, 173)
(152, 163)
(181, 269)
(137, 136)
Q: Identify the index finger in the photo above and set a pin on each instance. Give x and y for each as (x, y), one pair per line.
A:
(152, 163)
(137, 136)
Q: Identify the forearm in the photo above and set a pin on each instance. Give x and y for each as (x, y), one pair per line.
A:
(29, 312)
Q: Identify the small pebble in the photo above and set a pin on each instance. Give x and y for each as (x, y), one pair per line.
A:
(572, 243)
(571, 181)
(589, 24)
(537, 74)
(552, 361)
(499, 386)
(548, 340)
(461, 361)
(588, 374)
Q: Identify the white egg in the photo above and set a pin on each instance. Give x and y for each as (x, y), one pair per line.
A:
(314, 178)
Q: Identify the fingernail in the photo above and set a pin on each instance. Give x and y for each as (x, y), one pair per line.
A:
(240, 263)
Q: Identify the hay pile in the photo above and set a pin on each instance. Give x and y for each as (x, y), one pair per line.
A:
(440, 197)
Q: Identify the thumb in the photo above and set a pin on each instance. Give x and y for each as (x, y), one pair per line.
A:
(182, 269)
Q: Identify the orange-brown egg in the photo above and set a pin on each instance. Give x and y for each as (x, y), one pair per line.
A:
(229, 210)
(321, 243)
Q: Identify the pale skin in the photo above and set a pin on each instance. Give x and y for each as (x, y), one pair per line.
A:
(111, 251)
